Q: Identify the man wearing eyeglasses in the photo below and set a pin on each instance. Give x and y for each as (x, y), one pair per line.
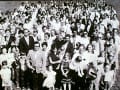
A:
(36, 63)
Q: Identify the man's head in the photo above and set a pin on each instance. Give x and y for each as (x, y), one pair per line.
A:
(21, 33)
(26, 32)
(35, 32)
(67, 37)
(36, 46)
(8, 31)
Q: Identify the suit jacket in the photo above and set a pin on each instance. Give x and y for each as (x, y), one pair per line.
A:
(70, 48)
(11, 39)
(57, 43)
(24, 47)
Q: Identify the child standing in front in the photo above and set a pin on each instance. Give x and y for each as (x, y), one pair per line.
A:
(5, 74)
(66, 79)
(49, 82)
(109, 76)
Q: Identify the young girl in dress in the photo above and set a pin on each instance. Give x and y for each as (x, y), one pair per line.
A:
(49, 82)
(5, 74)
(66, 79)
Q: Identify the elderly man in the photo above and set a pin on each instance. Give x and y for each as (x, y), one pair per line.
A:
(37, 64)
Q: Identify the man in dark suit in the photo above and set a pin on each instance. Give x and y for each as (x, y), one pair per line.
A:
(26, 42)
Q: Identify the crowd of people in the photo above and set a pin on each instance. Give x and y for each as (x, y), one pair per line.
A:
(59, 45)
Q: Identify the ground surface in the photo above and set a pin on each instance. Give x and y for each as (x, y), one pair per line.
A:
(9, 5)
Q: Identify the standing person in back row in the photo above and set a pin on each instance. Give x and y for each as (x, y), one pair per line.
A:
(26, 42)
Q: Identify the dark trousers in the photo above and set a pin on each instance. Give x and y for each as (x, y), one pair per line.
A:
(17, 77)
(23, 79)
(1, 88)
(58, 83)
(26, 79)
(37, 81)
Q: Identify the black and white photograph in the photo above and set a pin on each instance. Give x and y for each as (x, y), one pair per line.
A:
(60, 45)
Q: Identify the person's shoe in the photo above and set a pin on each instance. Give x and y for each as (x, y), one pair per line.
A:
(23, 88)
(28, 89)
(56, 89)
(17, 87)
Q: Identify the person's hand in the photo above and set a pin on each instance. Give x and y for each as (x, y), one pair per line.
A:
(65, 75)
(32, 70)
(59, 61)
(76, 70)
